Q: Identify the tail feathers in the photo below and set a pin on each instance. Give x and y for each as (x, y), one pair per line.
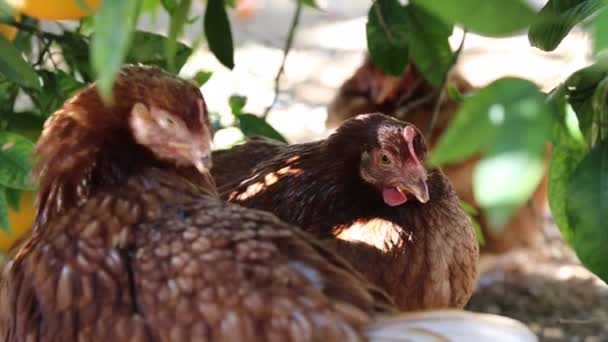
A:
(448, 325)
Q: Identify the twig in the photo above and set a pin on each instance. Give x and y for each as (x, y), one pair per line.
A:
(441, 96)
(36, 31)
(401, 111)
(277, 80)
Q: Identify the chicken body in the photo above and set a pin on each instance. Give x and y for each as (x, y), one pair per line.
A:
(410, 97)
(424, 255)
(144, 251)
(160, 260)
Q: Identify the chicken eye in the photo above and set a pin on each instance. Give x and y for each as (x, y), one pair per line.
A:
(167, 122)
(385, 159)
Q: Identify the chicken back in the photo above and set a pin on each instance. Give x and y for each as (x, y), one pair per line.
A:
(365, 192)
(138, 249)
(410, 97)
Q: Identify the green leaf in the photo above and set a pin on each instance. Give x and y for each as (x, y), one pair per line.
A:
(387, 36)
(176, 26)
(508, 122)
(587, 209)
(556, 19)
(148, 48)
(12, 198)
(252, 125)
(169, 5)
(15, 167)
(454, 93)
(202, 77)
(429, 45)
(580, 89)
(14, 67)
(218, 33)
(56, 88)
(600, 31)
(24, 123)
(566, 154)
(488, 17)
(114, 26)
(75, 49)
(4, 223)
(8, 94)
(237, 102)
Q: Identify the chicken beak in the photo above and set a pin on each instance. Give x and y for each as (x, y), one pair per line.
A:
(417, 188)
(202, 161)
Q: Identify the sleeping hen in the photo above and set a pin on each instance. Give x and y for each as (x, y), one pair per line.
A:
(410, 97)
(131, 245)
(366, 191)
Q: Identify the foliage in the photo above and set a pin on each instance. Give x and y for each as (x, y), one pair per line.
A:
(510, 121)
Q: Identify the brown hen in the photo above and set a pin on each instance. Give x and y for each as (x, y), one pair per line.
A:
(364, 190)
(410, 97)
(127, 247)
(131, 245)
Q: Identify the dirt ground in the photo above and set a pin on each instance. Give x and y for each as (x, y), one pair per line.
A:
(546, 288)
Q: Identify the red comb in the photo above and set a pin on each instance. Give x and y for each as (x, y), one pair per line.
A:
(408, 135)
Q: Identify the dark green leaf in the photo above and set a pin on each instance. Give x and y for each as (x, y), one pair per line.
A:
(387, 36)
(176, 26)
(488, 17)
(8, 93)
(15, 167)
(202, 77)
(566, 154)
(75, 49)
(556, 19)
(148, 48)
(12, 198)
(237, 103)
(508, 122)
(580, 88)
(4, 224)
(252, 125)
(14, 67)
(56, 88)
(600, 34)
(169, 5)
(218, 33)
(114, 25)
(429, 45)
(587, 209)
(27, 124)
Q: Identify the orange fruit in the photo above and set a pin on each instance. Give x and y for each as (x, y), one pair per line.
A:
(8, 31)
(20, 221)
(54, 9)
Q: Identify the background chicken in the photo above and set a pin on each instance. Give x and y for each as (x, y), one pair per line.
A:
(140, 251)
(410, 97)
(365, 189)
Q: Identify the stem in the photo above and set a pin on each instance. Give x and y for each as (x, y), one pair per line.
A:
(290, 35)
(444, 81)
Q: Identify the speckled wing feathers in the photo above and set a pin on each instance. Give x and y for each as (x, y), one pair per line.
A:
(159, 261)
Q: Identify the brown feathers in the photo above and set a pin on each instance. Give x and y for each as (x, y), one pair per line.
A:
(412, 98)
(424, 255)
(145, 251)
